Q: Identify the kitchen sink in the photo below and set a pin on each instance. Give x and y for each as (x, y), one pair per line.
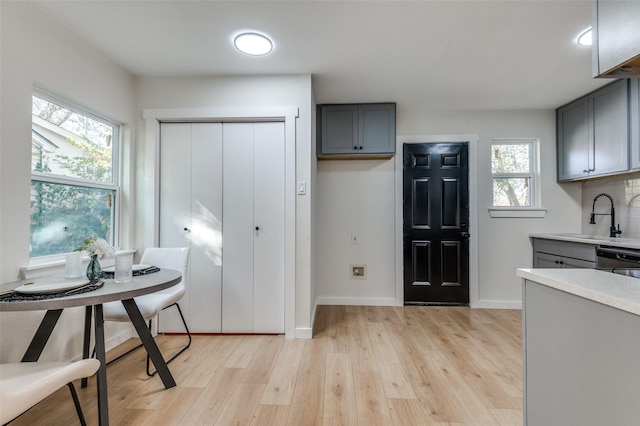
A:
(585, 237)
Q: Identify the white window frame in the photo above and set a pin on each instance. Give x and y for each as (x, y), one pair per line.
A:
(114, 185)
(534, 210)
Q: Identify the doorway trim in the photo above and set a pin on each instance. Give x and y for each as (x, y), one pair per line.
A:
(150, 194)
(472, 141)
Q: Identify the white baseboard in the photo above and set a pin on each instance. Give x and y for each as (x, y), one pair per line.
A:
(497, 304)
(304, 333)
(356, 301)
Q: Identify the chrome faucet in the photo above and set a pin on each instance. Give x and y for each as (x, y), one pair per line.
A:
(612, 229)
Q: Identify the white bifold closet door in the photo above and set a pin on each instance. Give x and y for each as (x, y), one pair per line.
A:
(222, 194)
(191, 216)
(253, 228)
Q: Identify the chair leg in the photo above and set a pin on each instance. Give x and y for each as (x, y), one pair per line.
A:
(76, 402)
(151, 374)
(93, 354)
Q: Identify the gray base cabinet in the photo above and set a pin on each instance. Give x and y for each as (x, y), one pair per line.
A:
(580, 360)
(562, 254)
(593, 134)
(356, 130)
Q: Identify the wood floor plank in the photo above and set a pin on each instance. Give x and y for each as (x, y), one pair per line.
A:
(308, 398)
(339, 392)
(244, 351)
(270, 415)
(366, 365)
(371, 403)
(207, 408)
(242, 405)
(279, 389)
(394, 377)
(260, 367)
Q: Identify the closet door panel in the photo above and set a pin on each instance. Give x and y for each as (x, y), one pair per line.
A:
(268, 293)
(175, 205)
(206, 227)
(238, 228)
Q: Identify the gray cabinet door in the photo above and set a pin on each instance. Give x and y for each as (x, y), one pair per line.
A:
(634, 116)
(609, 111)
(339, 129)
(575, 149)
(377, 128)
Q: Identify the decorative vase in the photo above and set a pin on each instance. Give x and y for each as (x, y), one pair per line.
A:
(93, 268)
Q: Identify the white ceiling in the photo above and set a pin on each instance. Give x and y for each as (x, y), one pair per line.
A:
(479, 54)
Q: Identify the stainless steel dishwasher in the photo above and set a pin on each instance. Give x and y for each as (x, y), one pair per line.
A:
(623, 261)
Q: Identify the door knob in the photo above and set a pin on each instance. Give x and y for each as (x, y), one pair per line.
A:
(186, 229)
(257, 228)
(465, 234)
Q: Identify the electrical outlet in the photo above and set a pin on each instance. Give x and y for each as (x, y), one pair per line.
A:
(358, 272)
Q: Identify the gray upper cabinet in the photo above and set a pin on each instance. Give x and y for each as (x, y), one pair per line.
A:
(593, 134)
(356, 130)
(616, 39)
(634, 116)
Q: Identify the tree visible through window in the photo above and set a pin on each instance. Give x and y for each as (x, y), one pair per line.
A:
(512, 172)
(73, 187)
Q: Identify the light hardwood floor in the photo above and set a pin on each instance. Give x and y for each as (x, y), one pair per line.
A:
(364, 366)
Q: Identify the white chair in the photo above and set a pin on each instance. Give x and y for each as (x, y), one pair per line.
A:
(150, 305)
(24, 384)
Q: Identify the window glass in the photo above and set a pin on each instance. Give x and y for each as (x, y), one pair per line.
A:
(73, 176)
(512, 172)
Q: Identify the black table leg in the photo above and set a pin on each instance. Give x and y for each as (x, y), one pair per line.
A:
(149, 343)
(87, 338)
(42, 336)
(103, 402)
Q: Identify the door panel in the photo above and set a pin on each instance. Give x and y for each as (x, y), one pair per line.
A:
(268, 290)
(206, 227)
(175, 206)
(191, 198)
(238, 228)
(436, 217)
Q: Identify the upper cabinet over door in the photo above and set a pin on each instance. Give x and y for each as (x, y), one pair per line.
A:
(356, 130)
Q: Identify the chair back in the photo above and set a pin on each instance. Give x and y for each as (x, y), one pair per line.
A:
(24, 384)
(169, 258)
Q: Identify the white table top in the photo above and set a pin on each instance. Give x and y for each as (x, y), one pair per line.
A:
(109, 292)
(604, 287)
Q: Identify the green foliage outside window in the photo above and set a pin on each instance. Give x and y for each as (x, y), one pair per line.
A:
(512, 174)
(72, 189)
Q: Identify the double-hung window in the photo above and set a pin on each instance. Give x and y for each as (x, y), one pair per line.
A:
(513, 173)
(74, 176)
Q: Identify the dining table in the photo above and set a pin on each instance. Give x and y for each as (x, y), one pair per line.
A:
(105, 290)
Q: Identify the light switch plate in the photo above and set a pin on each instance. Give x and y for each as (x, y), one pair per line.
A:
(302, 187)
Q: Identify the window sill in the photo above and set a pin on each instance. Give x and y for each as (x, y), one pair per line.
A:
(517, 212)
(54, 265)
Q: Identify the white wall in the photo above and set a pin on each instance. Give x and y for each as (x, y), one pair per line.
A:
(229, 93)
(358, 196)
(36, 51)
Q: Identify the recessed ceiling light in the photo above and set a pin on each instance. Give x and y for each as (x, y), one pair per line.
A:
(253, 44)
(585, 38)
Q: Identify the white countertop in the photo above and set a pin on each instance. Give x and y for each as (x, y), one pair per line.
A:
(604, 287)
(597, 240)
